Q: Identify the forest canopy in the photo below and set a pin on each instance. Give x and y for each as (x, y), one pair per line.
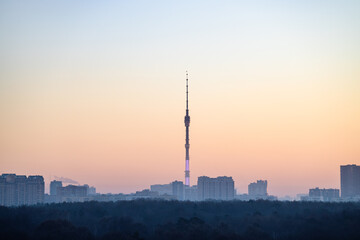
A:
(150, 219)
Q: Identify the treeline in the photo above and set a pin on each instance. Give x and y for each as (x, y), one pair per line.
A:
(145, 219)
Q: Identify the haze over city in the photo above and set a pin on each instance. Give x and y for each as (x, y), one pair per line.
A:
(96, 93)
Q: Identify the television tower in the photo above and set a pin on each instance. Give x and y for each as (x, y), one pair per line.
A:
(187, 145)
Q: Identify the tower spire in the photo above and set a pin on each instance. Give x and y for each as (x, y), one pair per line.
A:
(187, 144)
(187, 91)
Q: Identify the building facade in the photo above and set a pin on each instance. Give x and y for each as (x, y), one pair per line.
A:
(17, 190)
(178, 190)
(350, 181)
(72, 191)
(328, 195)
(35, 189)
(54, 185)
(162, 189)
(258, 188)
(220, 188)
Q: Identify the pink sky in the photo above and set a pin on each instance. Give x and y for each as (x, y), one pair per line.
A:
(98, 94)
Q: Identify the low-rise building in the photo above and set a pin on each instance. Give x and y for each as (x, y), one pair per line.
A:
(327, 195)
(162, 188)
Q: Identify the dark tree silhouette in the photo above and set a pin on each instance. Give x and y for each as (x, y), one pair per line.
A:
(150, 219)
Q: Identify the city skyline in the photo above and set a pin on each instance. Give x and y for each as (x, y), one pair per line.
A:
(349, 185)
(96, 93)
(17, 190)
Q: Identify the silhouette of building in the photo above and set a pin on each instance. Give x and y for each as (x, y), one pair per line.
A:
(191, 193)
(187, 141)
(72, 191)
(54, 185)
(22, 190)
(162, 189)
(8, 190)
(328, 195)
(258, 188)
(178, 190)
(350, 181)
(17, 190)
(91, 191)
(35, 188)
(148, 194)
(220, 188)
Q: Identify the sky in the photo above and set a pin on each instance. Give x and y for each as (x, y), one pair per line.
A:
(94, 91)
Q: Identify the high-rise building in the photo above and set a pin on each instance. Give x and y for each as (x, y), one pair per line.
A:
(220, 188)
(258, 188)
(17, 190)
(35, 188)
(350, 181)
(178, 190)
(9, 189)
(22, 191)
(54, 185)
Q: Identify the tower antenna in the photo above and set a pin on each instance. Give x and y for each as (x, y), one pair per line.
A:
(187, 91)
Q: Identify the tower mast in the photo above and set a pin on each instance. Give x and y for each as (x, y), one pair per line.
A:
(187, 145)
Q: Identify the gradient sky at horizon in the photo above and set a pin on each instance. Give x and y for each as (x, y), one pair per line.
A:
(95, 91)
